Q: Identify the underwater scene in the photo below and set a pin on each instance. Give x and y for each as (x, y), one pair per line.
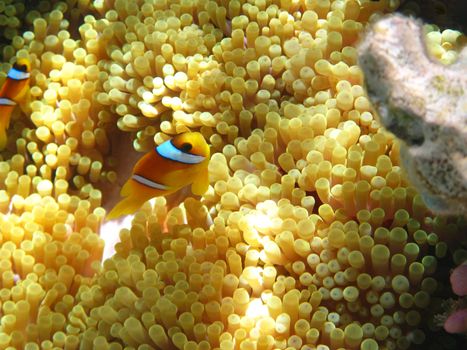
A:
(233, 175)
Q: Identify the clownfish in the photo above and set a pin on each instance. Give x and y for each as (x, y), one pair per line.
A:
(12, 92)
(174, 164)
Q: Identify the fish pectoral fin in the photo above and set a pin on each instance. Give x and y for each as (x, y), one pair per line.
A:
(24, 104)
(201, 183)
(5, 112)
(3, 138)
(126, 189)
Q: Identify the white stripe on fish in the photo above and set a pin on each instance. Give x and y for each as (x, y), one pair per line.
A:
(144, 181)
(6, 102)
(17, 74)
(169, 151)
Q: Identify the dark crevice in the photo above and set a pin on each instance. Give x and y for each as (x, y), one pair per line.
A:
(446, 14)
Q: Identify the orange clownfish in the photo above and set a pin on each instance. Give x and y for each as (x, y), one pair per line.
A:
(174, 164)
(12, 92)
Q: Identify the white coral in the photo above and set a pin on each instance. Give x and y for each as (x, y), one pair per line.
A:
(423, 102)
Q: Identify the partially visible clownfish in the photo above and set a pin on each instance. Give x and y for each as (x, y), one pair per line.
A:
(13, 91)
(174, 164)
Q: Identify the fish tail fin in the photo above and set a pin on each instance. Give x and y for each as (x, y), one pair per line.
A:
(126, 206)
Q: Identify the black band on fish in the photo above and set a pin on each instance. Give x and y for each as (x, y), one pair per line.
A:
(144, 181)
(169, 151)
(20, 67)
(16, 74)
(6, 102)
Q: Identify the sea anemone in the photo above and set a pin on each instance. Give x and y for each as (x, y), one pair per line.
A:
(310, 235)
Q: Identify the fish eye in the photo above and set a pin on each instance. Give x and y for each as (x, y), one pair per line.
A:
(186, 147)
(20, 67)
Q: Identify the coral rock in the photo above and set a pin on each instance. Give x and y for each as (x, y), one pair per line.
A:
(422, 102)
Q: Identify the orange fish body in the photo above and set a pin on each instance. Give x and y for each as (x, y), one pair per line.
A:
(13, 91)
(172, 165)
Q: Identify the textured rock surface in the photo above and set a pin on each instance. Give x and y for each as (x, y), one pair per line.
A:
(424, 104)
